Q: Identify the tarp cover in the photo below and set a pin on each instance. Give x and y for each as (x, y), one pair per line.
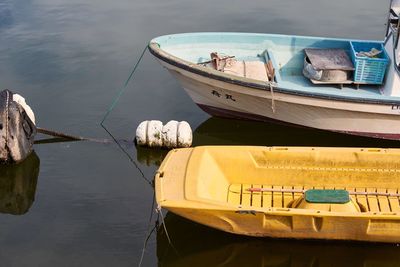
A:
(17, 131)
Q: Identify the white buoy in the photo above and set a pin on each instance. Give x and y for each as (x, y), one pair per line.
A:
(172, 135)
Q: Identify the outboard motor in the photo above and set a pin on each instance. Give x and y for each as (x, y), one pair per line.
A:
(17, 128)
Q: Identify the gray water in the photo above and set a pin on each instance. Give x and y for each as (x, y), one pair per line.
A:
(87, 204)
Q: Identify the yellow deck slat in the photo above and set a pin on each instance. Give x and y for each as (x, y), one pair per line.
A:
(362, 200)
(234, 194)
(394, 201)
(287, 197)
(383, 201)
(277, 197)
(246, 195)
(298, 195)
(257, 201)
(267, 197)
(372, 201)
(239, 194)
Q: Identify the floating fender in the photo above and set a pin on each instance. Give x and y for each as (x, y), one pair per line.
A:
(154, 132)
(148, 133)
(141, 133)
(172, 135)
(185, 136)
(17, 128)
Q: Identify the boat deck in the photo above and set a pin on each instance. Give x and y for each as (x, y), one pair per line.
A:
(297, 82)
(285, 52)
(238, 194)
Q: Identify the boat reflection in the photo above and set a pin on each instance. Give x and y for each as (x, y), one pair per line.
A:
(219, 131)
(18, 185)
(197, 245)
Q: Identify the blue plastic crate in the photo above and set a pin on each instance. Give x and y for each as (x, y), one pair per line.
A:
(369, 70)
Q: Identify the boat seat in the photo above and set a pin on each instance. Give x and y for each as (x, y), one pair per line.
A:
(288, 197)
(350, 206)
(252, 69)
(249, 69)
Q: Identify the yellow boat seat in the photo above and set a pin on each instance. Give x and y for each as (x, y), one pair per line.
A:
(351, 206)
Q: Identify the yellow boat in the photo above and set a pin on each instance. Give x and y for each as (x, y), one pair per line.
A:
(286, 192)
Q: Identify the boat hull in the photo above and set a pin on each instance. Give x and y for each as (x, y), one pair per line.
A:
(280, 223)
(262, 191)
(224, 99)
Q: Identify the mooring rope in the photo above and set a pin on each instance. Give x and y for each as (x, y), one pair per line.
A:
(160, 214)
(272, 97)
(149, 233)
(159, 210)
(129, 156)
(123, 89)
(112, 106)
(69, 136)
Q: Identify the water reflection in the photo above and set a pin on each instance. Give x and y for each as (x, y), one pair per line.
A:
(6, 18)
(197, 245)
(150, 156)
(218, 131)
(18, 185)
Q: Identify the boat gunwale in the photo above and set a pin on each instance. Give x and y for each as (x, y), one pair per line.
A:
(159, 53)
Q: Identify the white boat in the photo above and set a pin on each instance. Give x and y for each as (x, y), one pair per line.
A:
(351, 106)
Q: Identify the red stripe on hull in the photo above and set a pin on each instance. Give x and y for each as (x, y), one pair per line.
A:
(225, 113)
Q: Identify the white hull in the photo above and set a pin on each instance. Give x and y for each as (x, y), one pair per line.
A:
(367, 119)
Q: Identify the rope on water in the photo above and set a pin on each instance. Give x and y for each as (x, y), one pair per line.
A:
(123, 89)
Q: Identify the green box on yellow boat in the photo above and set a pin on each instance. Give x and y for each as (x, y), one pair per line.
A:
(327, 196)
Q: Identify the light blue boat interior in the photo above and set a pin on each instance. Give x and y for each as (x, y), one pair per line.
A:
(286, 53)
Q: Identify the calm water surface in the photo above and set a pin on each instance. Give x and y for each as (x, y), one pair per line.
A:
(87, 204)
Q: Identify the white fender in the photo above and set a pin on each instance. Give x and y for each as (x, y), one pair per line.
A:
(20, 100)
(170, 134)
(154, 134)
(141, 133)
(185, 136)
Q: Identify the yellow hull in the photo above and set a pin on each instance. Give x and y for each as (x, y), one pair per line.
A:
(258, 191)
